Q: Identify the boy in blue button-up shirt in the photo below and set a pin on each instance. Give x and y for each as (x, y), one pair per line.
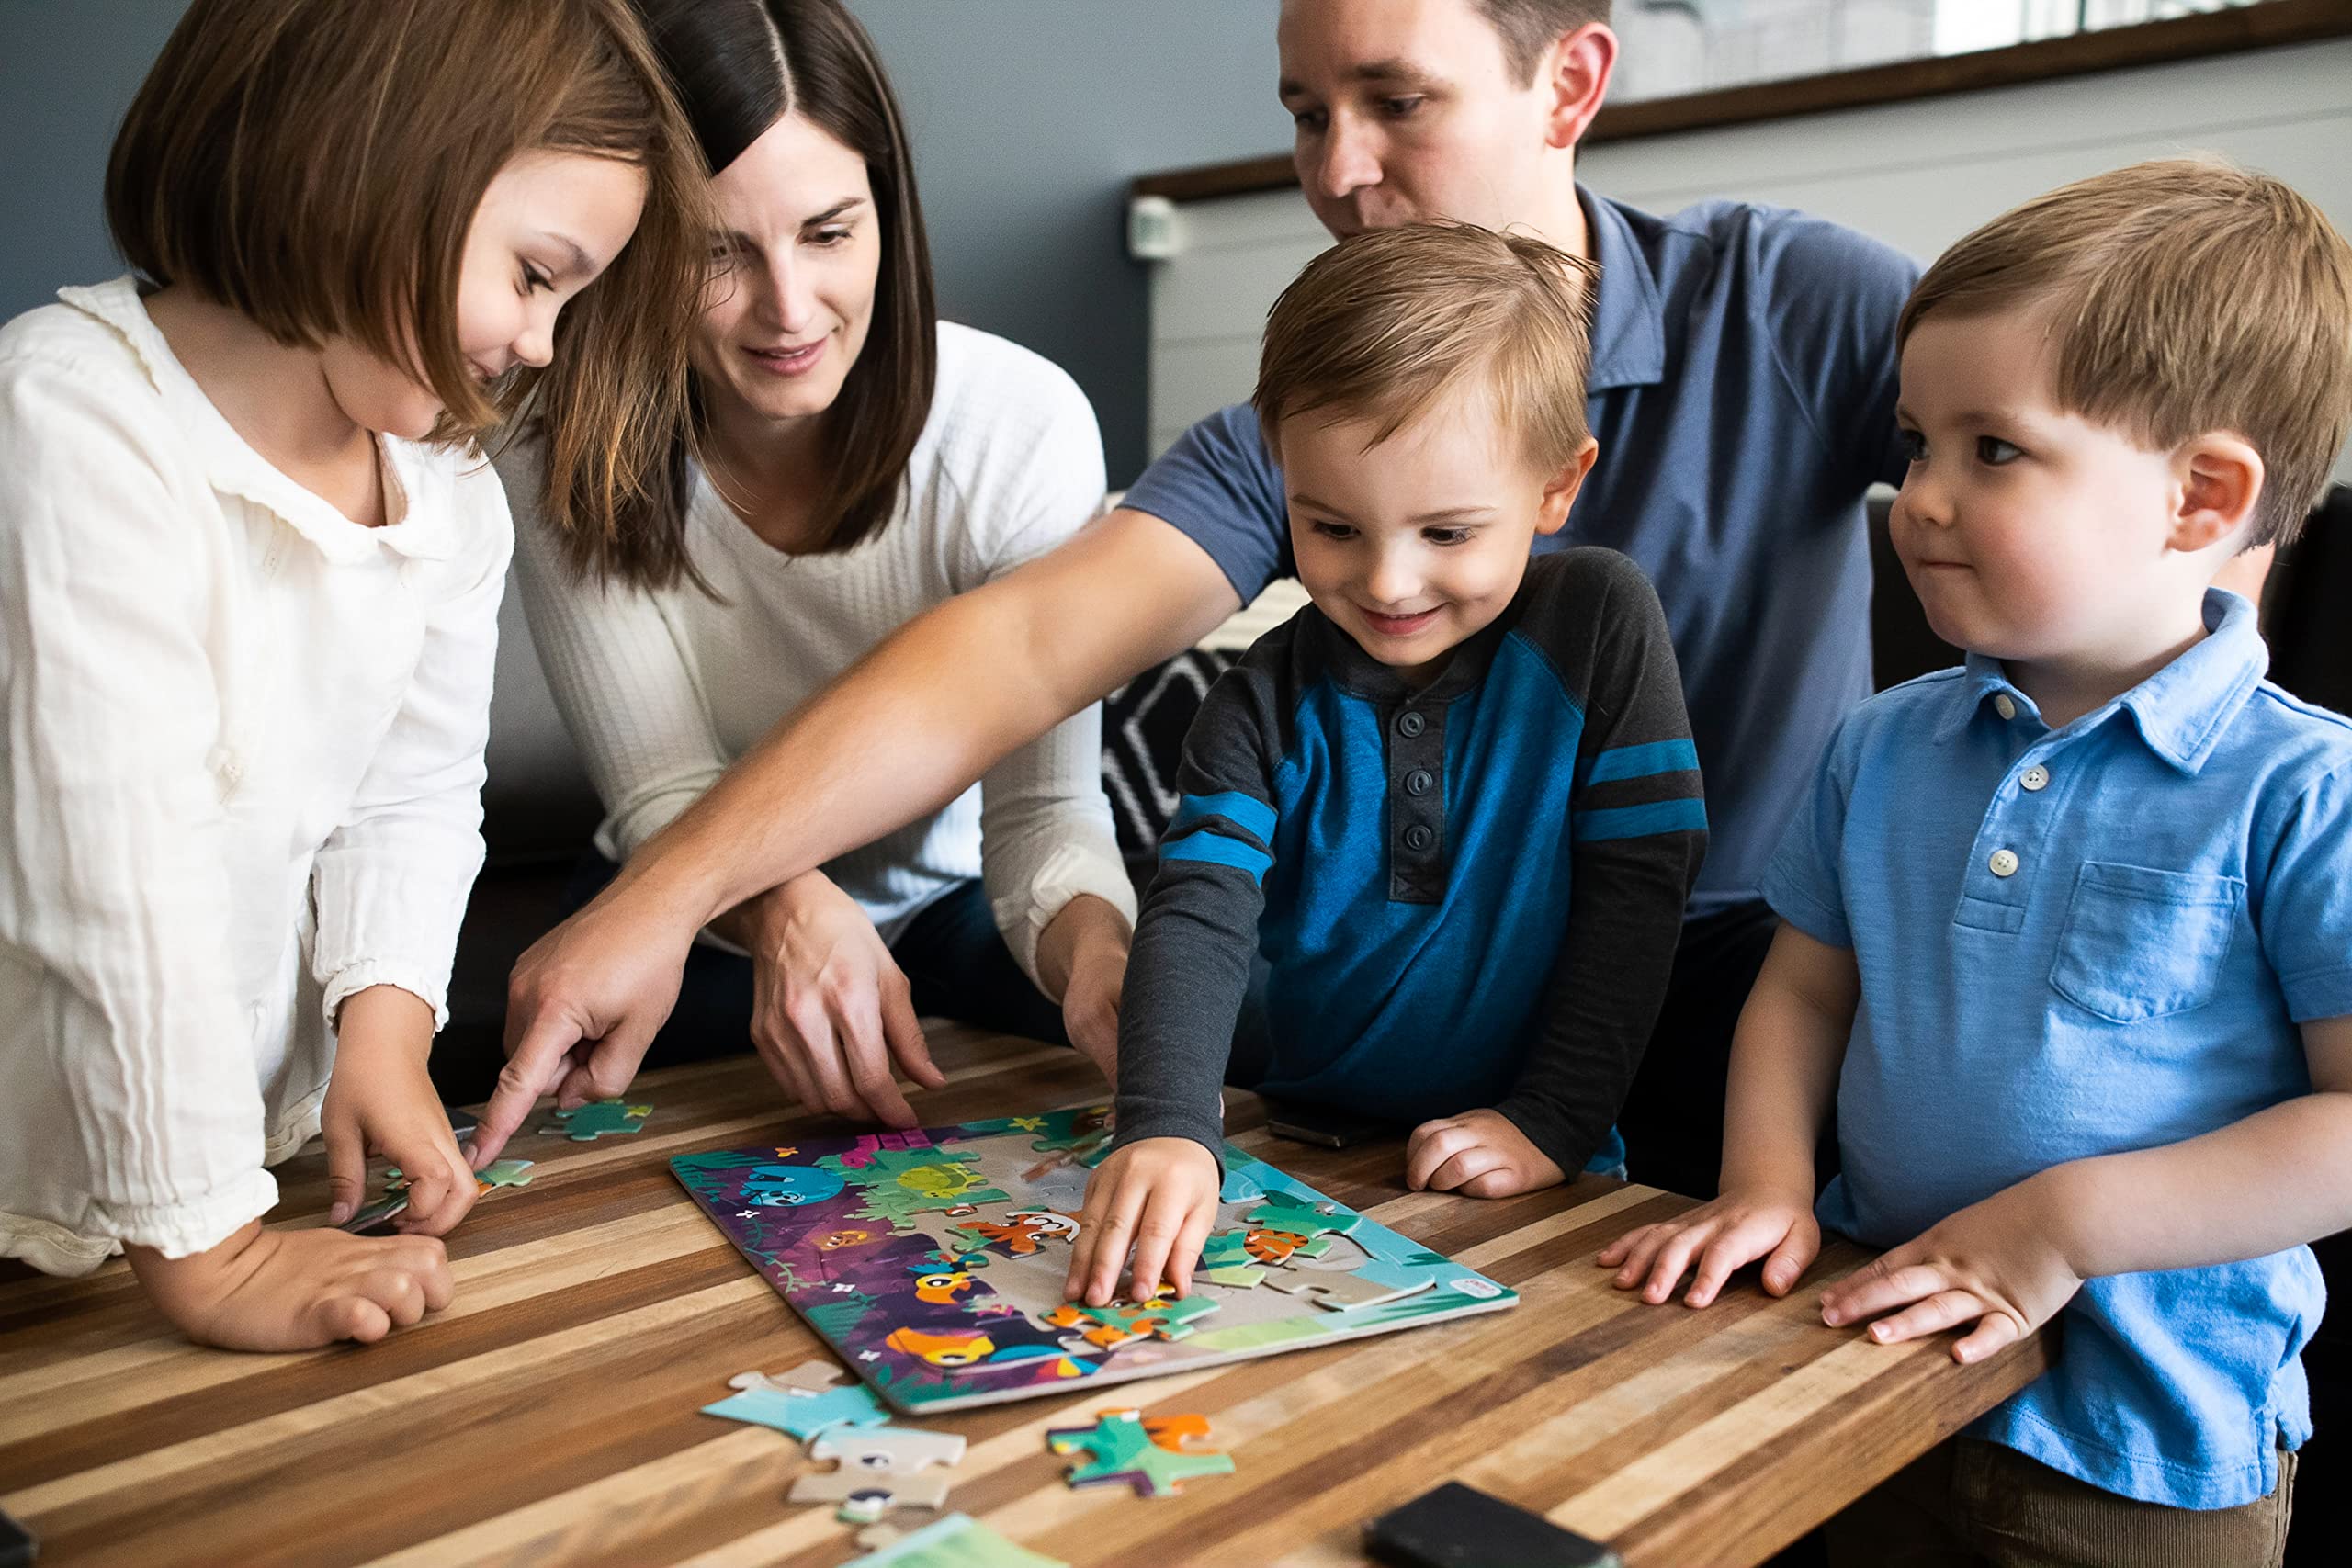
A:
(2068, 930)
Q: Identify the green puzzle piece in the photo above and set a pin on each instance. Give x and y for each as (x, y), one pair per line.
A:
(585, 1123)
(1226, 1249)
(1123, 1451)
(497, 1173)
(1158, 1318)
(902, 1183)
(1280, 1212)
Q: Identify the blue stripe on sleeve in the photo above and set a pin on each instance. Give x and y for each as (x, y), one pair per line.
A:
(1218, 850)
(1641, 762)
(1246, 812)
(1640, 821)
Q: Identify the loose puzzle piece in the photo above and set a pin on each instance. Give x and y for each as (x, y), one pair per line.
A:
(866, 1498)
(1123, 1323)
(887, 1450)
(802, 1403)
(901, 1183)
(497, 1173)
(1125, 1448)
(958, 1540)
(586, 1123)
(1328, 1288)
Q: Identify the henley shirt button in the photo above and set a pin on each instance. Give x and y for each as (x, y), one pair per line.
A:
(1418, 838)
(2003, 864)
(2036, 777)
(1417, 782)
(2004, 707)
(1409, 724)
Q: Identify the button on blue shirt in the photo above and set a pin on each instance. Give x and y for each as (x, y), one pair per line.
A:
(2080, 942)
(1743, 389)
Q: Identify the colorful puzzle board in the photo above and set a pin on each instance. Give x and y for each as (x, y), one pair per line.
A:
(933, 1261)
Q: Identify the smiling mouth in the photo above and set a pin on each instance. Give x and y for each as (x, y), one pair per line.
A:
(1399, 626)
(788, 361)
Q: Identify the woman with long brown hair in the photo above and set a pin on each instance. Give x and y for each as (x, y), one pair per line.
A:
(850, 461)
(251, 556)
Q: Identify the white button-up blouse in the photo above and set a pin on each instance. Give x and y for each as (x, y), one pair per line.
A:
(240, 779)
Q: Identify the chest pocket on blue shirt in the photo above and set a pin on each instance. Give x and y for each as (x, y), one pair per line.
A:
(2139, 944)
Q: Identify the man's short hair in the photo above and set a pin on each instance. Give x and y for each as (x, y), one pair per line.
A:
(2186, 296)
(1530, 27)
(1381, 325)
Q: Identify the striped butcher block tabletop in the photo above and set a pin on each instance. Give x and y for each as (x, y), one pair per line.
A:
(550, 1415)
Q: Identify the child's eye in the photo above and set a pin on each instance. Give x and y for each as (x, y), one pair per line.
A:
(1443, 536)
(1993, 450)
(1334, 530)
(1915, 445)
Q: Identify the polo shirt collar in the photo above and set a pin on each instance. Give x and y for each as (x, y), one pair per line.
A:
(2181, 711)
(1628, 323)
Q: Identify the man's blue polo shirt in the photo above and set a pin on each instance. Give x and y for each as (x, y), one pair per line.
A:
(1743, 390)
(2082, 942)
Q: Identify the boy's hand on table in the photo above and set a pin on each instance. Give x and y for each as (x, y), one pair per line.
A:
(830, 1008)
(1718, 1239)
(1082, 960)
(1479, 1153)
(264, 1289)
(380, 1099)
(2000, 1264)
(1159, 1193)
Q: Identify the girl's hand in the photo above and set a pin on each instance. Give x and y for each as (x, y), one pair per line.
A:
(830, 1008)
(264, 1289)
(1479, 1153)
(1998, 1264)
(1082, 958)
(381, 1100)
(1162, 1195)
(1718, 1239)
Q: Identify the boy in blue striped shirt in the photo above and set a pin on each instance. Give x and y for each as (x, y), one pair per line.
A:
(1438, 829)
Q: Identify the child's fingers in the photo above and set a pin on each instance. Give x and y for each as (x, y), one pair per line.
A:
(1199, 1219)
(1464, 1165)
(1163, 1221)
(1735, 1247)
(1673, 1261)
(1789, 1260)
(1432, 1145)
(1112, 1233)
(435, 1205)
(346, 1171)
(1944, 1310)
(1636, 1252)
(1617, 1251)
(1876, 1289)
(1996, 1330)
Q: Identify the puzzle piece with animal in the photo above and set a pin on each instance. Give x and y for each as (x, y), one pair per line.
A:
(879, 1469)
(897, 1184)
(586, 1123)
(1022, 1231)
(1151, 1457)
(801, 1403)
(866, 1498)
(1161, 1316)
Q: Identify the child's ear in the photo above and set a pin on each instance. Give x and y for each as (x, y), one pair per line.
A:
(2221, 478)
(1560, 491)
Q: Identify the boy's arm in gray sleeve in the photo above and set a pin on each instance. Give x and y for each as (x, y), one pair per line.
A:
(1638, 831)
(1198, 930)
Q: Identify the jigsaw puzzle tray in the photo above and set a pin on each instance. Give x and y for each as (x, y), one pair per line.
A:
(932, 1261)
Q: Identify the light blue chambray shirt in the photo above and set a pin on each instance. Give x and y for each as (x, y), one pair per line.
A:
(2081, 941)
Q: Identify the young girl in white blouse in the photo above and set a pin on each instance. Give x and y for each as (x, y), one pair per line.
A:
(250, 564)
(852, 462)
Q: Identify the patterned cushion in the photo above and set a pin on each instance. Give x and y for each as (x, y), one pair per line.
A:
(1143, 737)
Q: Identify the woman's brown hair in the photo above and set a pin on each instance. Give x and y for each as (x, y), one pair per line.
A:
(316, 165)
(739, 66)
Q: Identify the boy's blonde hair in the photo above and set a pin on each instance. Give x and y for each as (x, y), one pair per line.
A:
(2186, 295)
(1381, 325)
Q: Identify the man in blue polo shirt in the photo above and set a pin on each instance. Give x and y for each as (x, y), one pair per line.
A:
(1742, 391)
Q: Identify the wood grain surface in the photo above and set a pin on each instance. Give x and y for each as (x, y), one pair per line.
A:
(550, 1415)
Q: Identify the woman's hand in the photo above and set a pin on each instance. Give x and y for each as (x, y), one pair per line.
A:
(381, 1100)
(1082, 962)
(831, 1010)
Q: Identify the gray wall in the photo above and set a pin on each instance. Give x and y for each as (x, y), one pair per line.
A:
(1029, 118)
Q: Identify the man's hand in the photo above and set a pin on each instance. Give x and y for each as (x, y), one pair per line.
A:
(1159, 1193)
(583, 1003)
(1478, 1153)
(1082, 961)
(2000, 1265)
(830, 1008)
(1718, 1239)
(264, 1290)
(380, 1101)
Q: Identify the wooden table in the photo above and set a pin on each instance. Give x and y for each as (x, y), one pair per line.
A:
(551, 1414)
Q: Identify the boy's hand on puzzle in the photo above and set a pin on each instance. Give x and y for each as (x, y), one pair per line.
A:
(381, 1100)
(264, 1289)
(1718, 1239)
(2000, 1264)
(1082, 958)
(1159, 1193)
(830, 1008)
(1479, 1153)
